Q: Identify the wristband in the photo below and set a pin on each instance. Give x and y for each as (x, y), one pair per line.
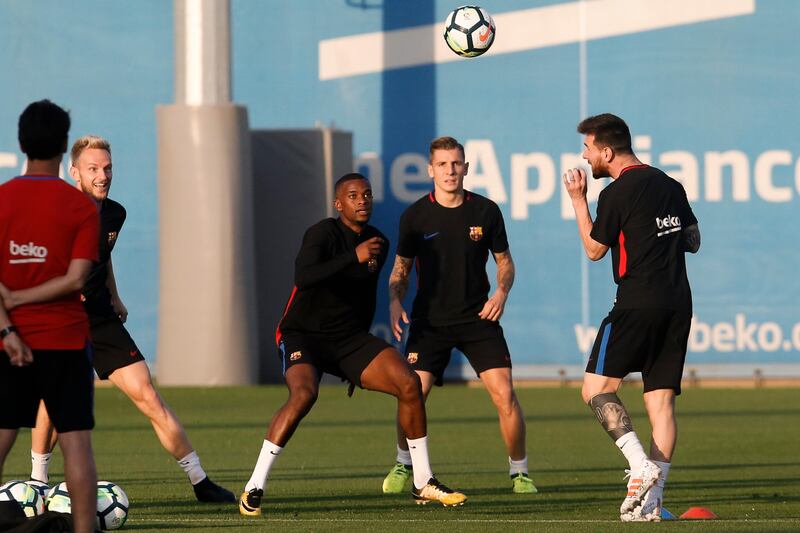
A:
(5, 332)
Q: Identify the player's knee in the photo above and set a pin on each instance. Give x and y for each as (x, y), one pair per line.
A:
(147, 399)
(303, 398)
(504, 399)
(409, 388)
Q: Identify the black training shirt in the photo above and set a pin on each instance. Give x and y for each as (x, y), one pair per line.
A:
(640, 216)
(334, 294)
(97, 297)
(451, 246)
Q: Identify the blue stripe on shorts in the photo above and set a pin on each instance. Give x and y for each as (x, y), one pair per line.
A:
(601, 357)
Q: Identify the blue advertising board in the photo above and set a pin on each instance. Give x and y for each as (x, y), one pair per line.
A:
(708, 88)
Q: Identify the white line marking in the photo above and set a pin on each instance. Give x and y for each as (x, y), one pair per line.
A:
(525, 29)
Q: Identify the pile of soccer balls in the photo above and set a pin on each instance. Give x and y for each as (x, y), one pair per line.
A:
(35, 497)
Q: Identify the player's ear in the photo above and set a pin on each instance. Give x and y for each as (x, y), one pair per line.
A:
(430, 171)
(466, 168)
(73, 173)
(337, 204)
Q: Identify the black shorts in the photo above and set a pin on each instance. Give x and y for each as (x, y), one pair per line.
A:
(650, 341)
(62, 378)
(482, 342)
(345, 357)
(113, 346)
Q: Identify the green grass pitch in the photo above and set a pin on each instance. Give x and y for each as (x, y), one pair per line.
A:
(738, 454)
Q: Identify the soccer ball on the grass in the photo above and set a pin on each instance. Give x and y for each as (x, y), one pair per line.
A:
(40, 487)
(58, 499)
(25, 495)
(469, 31)
(112, 506)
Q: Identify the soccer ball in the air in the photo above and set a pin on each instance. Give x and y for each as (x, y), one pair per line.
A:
(58, 499)
(112, 506)
(469, 31)
(25, 495)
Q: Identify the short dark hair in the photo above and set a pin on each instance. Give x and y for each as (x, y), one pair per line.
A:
(348, 177)
(445, 143)
(608, 130)
(43, 130)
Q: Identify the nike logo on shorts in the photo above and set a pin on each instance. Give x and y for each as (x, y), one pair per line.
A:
(429, 236)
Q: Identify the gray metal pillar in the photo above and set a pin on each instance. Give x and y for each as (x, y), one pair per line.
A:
(207, 329)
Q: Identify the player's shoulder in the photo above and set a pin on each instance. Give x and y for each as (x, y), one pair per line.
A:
(113, 211)
(421, 204)
(325, 226)
(480, 200)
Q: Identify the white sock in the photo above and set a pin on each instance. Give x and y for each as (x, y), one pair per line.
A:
(191, 465)
(403, 456)
(517, 467)
(40, 466)
(269, 452)
(632, 449)
(662, 478)
(418, 449)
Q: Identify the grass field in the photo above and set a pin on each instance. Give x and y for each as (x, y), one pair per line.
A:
(738, 455)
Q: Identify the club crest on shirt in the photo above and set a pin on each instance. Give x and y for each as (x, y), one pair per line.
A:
(112, 238)
(294, 356)
(475, 232)
(412, 357)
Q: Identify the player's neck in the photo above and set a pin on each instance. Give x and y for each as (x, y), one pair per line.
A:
(623, 162)
(449, 199)
(353, 226)
(42, 167)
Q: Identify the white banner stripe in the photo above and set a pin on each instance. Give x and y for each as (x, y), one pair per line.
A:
(525, 29)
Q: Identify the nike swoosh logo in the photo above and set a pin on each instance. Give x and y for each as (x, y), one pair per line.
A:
(429, 236)
(273, 453)
(483, 36)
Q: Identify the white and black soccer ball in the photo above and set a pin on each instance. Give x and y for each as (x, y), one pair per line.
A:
(112, 506)
(25, 495)
(39, 486)
(469, 31)
(58, 500)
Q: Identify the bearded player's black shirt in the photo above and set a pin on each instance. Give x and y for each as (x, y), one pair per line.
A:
(334, 294)
(641, 216)
(451, 247)
(96, 296)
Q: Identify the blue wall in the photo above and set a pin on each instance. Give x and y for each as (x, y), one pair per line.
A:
(693, 94)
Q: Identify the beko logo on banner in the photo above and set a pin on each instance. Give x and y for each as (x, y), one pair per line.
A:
(30, 253)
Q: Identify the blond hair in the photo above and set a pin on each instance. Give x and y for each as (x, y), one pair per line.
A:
(88, 141)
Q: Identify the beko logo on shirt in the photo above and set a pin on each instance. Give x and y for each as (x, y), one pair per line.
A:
(30, 253)
(669, 224)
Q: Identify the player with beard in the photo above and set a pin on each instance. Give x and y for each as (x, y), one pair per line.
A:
(325, 328)
(644, 217)
(116, 356)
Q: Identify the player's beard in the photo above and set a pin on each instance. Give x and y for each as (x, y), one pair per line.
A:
(599, 171)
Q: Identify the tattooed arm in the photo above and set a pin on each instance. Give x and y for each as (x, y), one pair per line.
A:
(691, 239)
(495, 305)
(398, 285)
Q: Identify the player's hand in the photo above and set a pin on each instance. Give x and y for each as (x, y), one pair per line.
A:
(369, 249)
(18, 352)
(575, 183)
(494, 306)
(396, 314)
(120, 309)
(8, 298)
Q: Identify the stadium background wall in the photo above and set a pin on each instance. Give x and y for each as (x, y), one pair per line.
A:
(708, 88)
